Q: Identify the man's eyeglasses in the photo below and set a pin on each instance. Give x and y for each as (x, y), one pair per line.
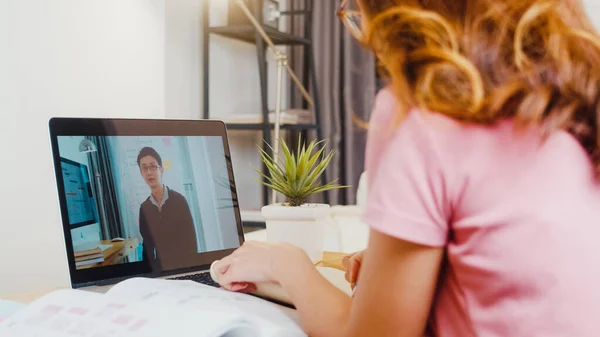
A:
(352, 19)
(150, 168)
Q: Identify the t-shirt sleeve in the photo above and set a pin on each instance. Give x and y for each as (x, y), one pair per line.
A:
(408, 186)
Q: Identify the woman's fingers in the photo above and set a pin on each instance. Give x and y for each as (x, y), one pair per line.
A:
(352, 264)
(241, 287)
(354, 268)
(257, 262)
(238, 286)
(223, 267)
(232, 270)
(348, 263)
(244, 266)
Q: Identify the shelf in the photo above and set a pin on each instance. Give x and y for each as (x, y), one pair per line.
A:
(242, 126)
(247, 33)
(292, 116)
(252, 220)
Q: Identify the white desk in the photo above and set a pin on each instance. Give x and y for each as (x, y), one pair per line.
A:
(354, 233)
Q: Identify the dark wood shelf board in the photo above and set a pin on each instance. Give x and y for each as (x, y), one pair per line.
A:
(247, 33)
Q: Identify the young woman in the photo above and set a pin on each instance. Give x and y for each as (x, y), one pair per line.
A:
(483, 160)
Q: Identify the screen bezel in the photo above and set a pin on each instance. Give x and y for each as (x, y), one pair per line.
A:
(134, 127)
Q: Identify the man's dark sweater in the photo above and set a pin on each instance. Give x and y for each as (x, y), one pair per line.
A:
(169, 230)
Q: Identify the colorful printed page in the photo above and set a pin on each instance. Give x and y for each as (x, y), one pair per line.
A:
(150, 308)
(270, 318)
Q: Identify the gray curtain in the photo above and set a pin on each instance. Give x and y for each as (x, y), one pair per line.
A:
(105, 190)
(347, 84)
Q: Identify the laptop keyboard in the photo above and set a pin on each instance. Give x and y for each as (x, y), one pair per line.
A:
(203, 278)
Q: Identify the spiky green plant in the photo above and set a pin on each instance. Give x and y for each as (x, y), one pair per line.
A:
(296, 176)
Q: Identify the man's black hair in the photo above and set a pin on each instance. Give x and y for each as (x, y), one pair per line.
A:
(148, 151)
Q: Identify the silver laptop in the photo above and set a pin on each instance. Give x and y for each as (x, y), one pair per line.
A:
(152, 198)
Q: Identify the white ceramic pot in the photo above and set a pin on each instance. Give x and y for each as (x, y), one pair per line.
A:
(302, 226)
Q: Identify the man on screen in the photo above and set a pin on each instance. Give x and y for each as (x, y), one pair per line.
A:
(166, 223)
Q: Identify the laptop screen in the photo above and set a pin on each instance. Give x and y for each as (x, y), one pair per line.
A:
(157, 200)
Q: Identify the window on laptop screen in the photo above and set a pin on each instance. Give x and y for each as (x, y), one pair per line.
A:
(160, 199)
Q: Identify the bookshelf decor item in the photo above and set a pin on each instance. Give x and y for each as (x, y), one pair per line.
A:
(269, 8)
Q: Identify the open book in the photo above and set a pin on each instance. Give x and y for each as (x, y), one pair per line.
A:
(152, 307)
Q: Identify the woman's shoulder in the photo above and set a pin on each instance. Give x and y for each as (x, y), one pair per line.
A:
(389, 124)
(387, 118)
(387, 114)
(440, 137)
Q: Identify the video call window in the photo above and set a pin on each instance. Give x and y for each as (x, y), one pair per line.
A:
(161, 198)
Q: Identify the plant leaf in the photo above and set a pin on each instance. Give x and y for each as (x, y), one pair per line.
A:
(271, 164)
(270, 180)
(296, 174)
(309, 167)
(290, 163)
(319, 169)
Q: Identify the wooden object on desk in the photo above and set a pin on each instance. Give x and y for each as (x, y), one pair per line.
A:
(115, 254)
(333, 260)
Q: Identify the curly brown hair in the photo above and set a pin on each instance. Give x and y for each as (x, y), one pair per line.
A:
(481, 61)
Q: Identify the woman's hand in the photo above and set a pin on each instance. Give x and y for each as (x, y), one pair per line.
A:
(258, 262)
(353, 263)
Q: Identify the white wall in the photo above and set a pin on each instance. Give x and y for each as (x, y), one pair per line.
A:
(183, 58)
(593, 8)
(93, 58)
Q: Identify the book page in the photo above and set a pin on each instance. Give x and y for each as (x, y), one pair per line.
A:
(9, 308)
(272, 319)
(76, 313)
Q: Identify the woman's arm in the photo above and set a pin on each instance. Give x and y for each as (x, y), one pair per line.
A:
(393, 295)
(396, 287)
(323, 308)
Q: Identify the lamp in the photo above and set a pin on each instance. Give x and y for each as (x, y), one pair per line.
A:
(282, 62)
(89, 147)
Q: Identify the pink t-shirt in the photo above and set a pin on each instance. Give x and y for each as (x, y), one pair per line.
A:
(519, 219)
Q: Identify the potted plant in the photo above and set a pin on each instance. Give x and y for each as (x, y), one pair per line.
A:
(297, 176)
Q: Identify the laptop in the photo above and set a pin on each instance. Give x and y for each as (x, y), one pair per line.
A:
(151, 198)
